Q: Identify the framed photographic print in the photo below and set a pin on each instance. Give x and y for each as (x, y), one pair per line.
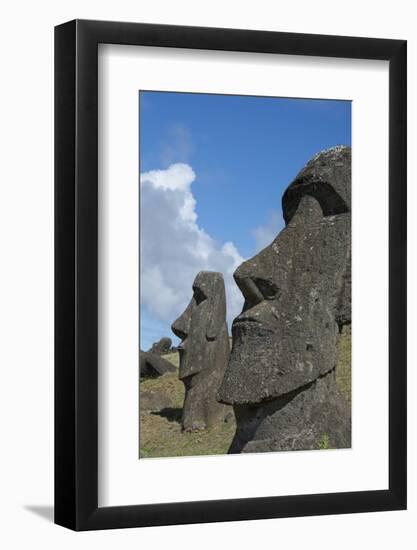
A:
(230, 244)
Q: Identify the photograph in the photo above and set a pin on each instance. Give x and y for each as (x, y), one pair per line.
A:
(245, 274)
(208, 234)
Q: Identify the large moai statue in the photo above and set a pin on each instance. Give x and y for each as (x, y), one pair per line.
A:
(204, 352)
(281, 374)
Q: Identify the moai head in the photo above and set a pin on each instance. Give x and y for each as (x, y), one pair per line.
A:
(204, 352)
(161, 347)
(296, 290)
(201, 323)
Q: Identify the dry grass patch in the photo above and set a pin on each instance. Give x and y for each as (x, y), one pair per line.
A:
(344, 363)
(160, 431)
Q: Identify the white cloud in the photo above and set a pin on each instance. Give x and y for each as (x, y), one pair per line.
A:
(174, 248)
(265, 234)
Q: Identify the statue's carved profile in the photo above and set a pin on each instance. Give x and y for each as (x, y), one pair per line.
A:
(204, 351)
(281, 375)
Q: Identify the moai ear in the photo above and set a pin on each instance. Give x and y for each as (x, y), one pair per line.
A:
(344, 304)
(216, 316)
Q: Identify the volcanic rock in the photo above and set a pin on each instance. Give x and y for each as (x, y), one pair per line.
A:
(280, 377)
(152, 366)
(162, 347)
(204, 351)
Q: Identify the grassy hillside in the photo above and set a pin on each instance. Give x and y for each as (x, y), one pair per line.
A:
(160, 429)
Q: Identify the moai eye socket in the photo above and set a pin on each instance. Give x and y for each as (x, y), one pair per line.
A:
(199, 296)
(330, 201)
(267, 288)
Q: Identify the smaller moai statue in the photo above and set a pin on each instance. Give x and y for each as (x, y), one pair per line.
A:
(153, 366)
(162, 347)
(204, 352)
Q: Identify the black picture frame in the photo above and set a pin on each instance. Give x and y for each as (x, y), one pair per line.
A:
(76, 272)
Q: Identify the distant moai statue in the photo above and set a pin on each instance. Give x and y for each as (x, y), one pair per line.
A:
(152, 365)
(162, 347)
(204, 352)
(281, 374)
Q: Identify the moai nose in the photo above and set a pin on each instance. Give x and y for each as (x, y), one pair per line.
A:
(253, 278)
(249, 289)
(181, 326)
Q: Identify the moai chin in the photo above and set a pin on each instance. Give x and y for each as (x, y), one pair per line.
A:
(281, 374)
(204, 351)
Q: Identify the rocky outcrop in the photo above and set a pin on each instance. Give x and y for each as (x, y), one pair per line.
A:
(281, 374)
(204, 351)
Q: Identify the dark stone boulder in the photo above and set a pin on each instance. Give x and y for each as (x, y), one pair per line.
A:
(162, 347)
(204, 351)
(297, 298)
(152, 366)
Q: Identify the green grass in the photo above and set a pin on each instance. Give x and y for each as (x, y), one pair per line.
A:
(324, 442)
(173, 358)
(160, 431)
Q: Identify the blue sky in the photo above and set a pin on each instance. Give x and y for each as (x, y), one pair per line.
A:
(243, 151)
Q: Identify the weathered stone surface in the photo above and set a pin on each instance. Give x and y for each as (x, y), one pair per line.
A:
(299, 420)
(204, 351)
(297, 297)
(152, 366)
(162, 347)
(327, 178)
